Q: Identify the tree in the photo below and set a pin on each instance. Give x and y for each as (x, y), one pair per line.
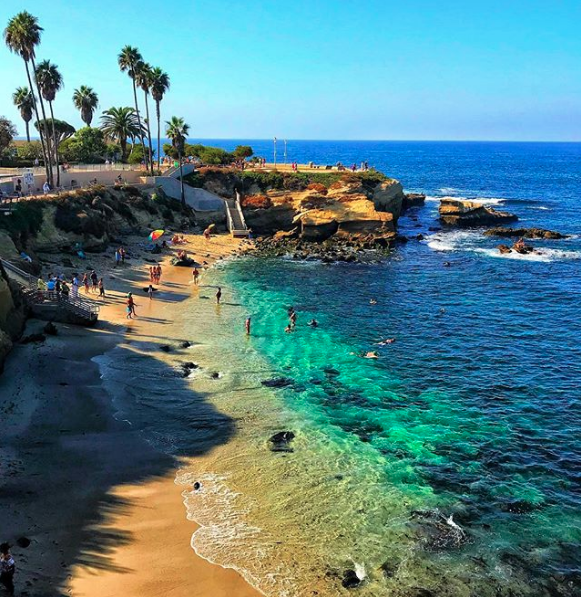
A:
(130, 61)
(24, 101)
(7, 133)
(29, 152)
(243, 151)
(50, 81)
(120, 124)
(86, 101)
(22, 35)
(159, 86)
(61, 130)
(143, 79)
(177, 130)
(87, 146)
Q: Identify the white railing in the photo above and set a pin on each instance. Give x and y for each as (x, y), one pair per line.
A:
(228, 216)
(75, 168)
(239, 210)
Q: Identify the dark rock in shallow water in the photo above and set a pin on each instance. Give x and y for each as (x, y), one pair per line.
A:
(185, 344)
(350, 579)
(215, 375)
(519, 507)
(50, 329)
(388, 569)
(190, 365)
(277, 382)
(331, 371)
(165, 347)
(525, 233)
(33, 338)
(280, 442)
(439, 532)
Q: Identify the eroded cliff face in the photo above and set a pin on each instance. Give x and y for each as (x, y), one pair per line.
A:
(12, 316)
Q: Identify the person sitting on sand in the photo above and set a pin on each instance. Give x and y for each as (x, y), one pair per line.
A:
(7, 568)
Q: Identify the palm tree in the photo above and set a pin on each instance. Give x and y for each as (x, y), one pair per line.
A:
(119, 124)
(143, 79)
(130, 61)
(49, 82)
(24, 101)
(86, 100)
(159, 85)
(22, 35)
(177, 130)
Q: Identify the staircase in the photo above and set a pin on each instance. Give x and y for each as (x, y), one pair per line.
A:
(235, 218)
(49, 305)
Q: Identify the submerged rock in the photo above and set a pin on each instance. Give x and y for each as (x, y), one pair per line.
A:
(437, 531)
(539, 233)
(350, 579)
(280, 442)
(33, 338)
(277, 382)
(50, 329)
(455, 212)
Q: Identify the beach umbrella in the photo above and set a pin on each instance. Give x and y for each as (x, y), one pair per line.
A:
(155, 234)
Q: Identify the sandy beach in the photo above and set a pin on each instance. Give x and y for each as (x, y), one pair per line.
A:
(98, 504)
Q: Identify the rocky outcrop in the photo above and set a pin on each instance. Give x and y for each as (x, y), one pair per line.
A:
(12, 315)
(539, 233)
(412, 200)
(469, 214)
(388, 196)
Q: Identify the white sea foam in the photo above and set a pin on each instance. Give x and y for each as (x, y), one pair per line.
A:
(480, 200)
(450, 241)
(540, 255)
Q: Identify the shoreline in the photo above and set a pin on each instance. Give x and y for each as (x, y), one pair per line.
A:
(95, 499)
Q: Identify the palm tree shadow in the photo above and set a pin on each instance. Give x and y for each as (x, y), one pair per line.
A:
(73, 477)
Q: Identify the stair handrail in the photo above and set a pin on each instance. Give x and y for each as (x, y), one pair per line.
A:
(239, 210)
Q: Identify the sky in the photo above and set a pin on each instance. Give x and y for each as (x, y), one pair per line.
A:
(319, 69)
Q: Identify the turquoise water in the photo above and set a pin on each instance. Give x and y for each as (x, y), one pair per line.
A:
(448, 466)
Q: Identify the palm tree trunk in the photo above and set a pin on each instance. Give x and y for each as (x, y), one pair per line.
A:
(123, 143)
(45, 123)
(27, 125)
(182, 180)
(158, 135)
(138, 116)
(46, 165)
(148, 133)
(56, 148)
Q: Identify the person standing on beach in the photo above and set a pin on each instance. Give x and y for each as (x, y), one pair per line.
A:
(150, 290)
(117, 257)
(86, 283)
(94, 280)
(7, 568)
(101, 288)
(218, 295)
(196, 275)
(247, 326)
(75, 287)
(122, 253)
(158, 274)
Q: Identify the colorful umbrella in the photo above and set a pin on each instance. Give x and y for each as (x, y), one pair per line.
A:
(156, 234)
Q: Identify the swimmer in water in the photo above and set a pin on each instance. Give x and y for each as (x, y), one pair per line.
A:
(288, 329)
(313, 323)
(372, 302)
(386, 341)
(371, 355)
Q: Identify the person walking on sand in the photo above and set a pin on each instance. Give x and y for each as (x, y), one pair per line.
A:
(7, 568)
(101, 288)
(196, 275)
(151, 274)
(86, 283)
(130, 306)
(247, 326)
(150, 290)
(218, 295)
(158, 274)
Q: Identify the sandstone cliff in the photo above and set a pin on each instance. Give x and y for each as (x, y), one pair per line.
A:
(456, 212)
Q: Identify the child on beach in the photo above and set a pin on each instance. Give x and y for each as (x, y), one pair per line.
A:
(247, 326)
(7, 568)
(131, 306)
(101, 288)
(150, 290)
(218, 295)
(195, 275)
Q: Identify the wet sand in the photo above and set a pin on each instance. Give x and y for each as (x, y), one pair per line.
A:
(98, 504)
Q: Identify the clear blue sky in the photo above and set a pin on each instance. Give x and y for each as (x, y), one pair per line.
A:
(318, 69)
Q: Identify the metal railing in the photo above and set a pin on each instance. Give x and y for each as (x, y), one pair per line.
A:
(74, 168)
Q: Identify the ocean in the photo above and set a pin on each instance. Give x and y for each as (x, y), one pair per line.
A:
(450, 465)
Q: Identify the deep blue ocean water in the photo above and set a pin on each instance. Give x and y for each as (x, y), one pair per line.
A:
(474, 411)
